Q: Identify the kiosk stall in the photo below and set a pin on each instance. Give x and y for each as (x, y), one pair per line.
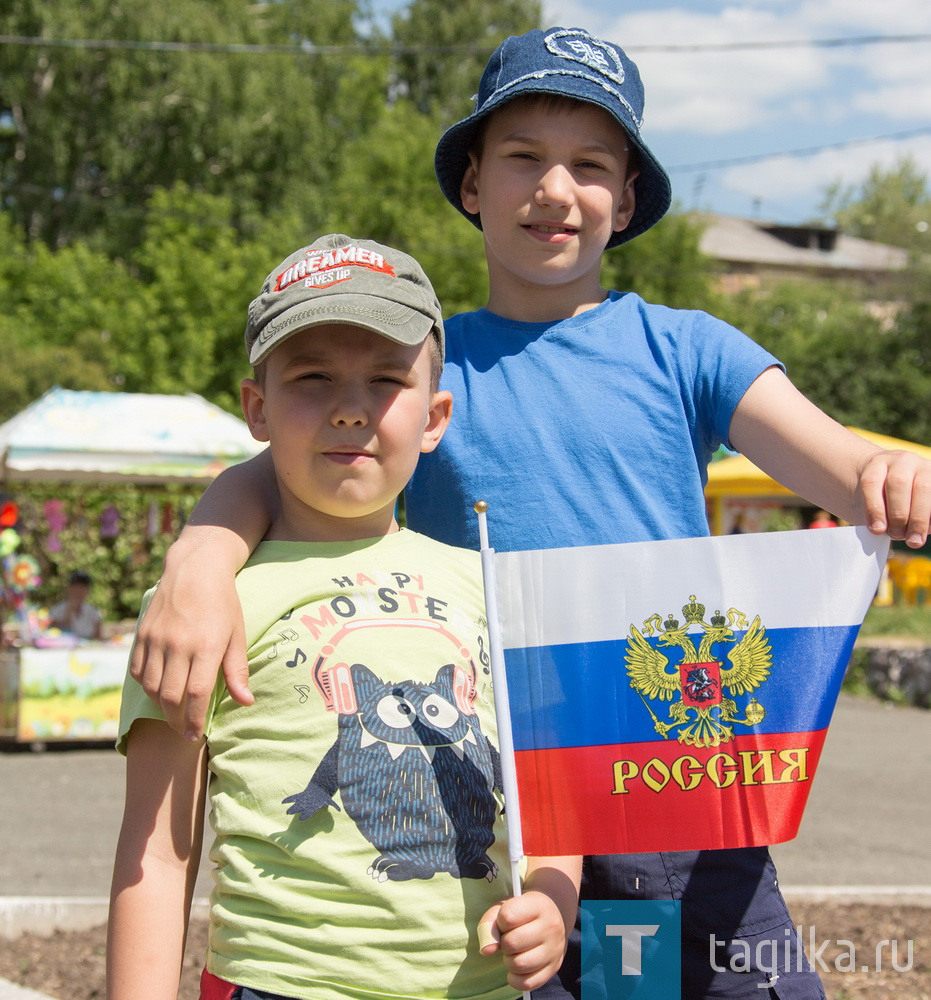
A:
(55, 687)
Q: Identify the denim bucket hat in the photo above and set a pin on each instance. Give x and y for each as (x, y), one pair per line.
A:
(572, 63)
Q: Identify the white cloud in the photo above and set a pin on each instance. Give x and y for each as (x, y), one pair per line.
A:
(717, 92)
(773, 99)
(725, 92)
(900, 84)
(786, 180)
(720, 92)
(891, 17)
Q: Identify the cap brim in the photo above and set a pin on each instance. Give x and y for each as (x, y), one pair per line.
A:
(386, 317)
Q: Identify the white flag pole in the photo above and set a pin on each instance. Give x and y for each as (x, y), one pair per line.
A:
(502, 705)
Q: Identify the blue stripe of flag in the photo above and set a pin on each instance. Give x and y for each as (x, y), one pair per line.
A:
(579, 694)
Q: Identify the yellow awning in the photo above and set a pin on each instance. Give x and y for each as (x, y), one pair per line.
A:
(739, 477)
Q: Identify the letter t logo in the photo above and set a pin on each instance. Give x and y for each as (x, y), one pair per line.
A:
(631, 948)
(631, 937)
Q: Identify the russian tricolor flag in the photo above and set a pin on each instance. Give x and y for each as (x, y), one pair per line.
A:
(675, 695)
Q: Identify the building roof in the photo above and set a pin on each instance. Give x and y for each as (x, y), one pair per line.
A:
(756, 242)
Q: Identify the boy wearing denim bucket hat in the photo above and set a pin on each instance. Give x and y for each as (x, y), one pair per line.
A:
(587, 416)
(360, 847)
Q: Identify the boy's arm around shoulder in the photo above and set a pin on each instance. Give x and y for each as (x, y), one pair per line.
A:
(194, 625)
(797, 444)
(157, 860)
(531, 930)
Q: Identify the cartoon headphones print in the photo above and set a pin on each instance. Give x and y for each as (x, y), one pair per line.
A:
(334, 682)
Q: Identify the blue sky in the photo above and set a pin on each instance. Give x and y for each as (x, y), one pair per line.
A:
(715, 106)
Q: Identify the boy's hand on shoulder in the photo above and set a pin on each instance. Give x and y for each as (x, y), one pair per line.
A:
(896, 491)
(529, 932)
(192, 627)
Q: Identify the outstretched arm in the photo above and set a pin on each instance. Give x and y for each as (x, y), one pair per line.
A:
(157, 859)
(793, 441)
(194, 625)
(531, 930)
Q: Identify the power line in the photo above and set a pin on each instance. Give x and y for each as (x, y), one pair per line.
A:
(798, 43)
(805, 151)
(681, 168)
(307, 48)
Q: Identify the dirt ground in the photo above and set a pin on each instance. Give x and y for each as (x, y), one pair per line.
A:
(71, 965)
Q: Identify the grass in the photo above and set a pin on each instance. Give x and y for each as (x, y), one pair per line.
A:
(899, 620)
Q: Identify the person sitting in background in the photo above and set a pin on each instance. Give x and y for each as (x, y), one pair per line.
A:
(74, 614)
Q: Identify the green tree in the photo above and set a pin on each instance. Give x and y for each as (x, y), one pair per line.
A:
(850, 362)
(53, 318)
(387, 191)
(891, 206)
(193, 278)
(443, 82)
(169, 319)
(94, 132)
(665, 265)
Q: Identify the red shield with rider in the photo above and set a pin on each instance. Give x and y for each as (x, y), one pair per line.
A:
(701, 684)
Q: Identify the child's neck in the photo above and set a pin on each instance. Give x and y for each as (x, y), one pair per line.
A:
(309, 525)
(543, 304)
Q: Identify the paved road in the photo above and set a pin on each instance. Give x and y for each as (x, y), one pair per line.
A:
(867, 822)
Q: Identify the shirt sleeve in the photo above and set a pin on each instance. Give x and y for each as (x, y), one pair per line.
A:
(725, 363)
(134, 702)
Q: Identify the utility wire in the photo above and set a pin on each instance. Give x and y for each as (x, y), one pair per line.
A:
(57, 195)
(804, 151)
(388, 48)
(304, 48)
(798, 43)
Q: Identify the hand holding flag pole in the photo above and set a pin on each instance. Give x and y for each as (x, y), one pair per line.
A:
(502, 705)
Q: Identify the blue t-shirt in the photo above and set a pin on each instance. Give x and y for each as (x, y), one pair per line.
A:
(585, 431)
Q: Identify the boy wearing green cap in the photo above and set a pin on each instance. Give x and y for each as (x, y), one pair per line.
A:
(360, 847)
(586, 416)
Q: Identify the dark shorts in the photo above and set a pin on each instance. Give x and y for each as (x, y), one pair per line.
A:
(730, 897)
(244, 993)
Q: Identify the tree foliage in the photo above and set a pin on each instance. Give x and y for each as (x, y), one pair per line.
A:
(891, 206)
(96, 131)
(456, 40)
(856, 366)
(144, 194)
(665, 265)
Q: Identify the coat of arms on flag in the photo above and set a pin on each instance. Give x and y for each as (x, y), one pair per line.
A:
(700, 713)
(675, 695)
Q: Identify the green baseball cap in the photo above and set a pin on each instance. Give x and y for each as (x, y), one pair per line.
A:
(339, 279)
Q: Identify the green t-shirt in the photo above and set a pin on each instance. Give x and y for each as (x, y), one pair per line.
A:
(356, 804)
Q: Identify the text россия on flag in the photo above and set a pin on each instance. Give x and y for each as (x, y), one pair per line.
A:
(675, 695)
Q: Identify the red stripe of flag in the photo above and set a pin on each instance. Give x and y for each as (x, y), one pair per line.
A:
(666, 796)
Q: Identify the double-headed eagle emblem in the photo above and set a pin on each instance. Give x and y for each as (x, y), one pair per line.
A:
(702, 714)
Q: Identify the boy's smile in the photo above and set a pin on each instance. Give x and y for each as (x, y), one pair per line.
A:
(551, 184)
(347, 413)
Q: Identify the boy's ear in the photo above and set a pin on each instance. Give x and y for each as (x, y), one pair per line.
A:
(441, 409)
(468, 189)
(627, 204)
(252, 401)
